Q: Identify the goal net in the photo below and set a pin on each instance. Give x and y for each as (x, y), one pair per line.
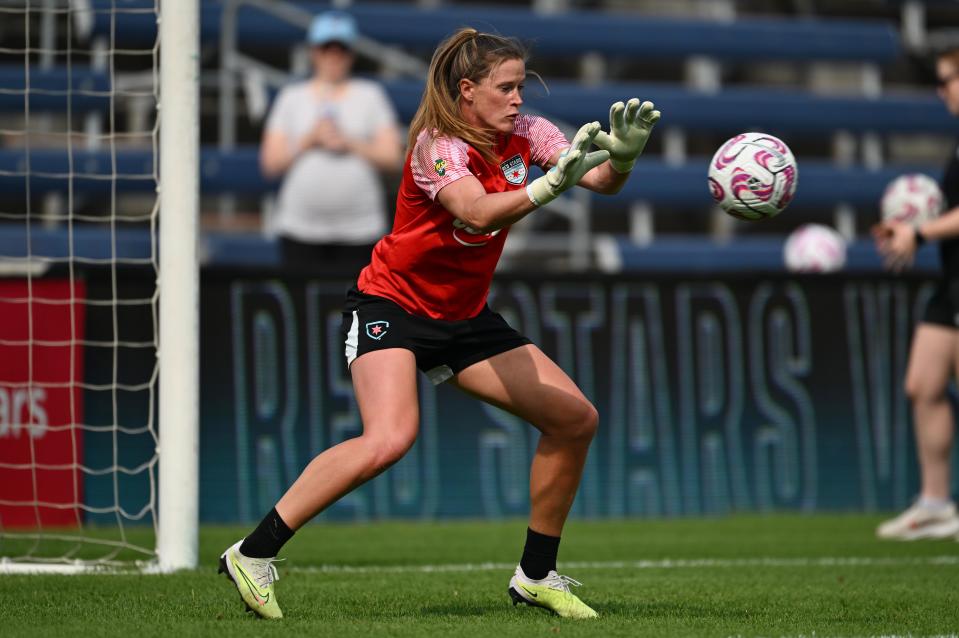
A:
(82, 394)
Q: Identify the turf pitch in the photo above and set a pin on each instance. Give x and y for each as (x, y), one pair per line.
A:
(775, 575)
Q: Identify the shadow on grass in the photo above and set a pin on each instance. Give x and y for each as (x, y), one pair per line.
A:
(684, 609)
(468, 609)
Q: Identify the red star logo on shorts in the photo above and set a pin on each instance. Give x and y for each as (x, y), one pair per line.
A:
(377, 329)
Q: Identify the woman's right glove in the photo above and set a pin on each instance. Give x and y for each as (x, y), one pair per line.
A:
(573, 163)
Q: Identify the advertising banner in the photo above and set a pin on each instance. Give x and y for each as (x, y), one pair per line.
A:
(41, 402)
(739, 394)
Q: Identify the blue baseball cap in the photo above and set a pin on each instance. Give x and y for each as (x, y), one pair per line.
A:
(332, 26)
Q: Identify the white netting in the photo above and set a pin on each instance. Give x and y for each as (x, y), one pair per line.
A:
(78, 271)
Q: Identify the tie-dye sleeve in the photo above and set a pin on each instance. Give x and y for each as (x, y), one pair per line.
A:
(438, 161)
(545, 139)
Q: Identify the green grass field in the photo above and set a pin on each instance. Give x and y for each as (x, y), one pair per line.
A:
(780, 575)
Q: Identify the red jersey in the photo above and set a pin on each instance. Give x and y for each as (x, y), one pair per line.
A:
(432, 264)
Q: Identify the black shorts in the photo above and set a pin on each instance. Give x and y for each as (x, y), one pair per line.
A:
(442, 348)
(943, 306)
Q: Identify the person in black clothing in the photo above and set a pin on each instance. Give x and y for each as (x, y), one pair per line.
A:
(934, 356)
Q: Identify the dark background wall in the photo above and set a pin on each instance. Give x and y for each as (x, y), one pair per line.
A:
(745, 393)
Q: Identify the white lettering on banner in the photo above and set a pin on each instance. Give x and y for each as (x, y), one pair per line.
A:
(506, 443)
(266, 388)
(23, 409)
(574, 315)
(279, 430)
(643, 464)
(710, 357)
(714, 397)
(878, 327)
(780, 350)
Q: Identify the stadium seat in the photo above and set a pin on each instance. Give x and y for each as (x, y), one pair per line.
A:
(53, 89)
(87, 243)
(788, 113)
(694, 254)
(732, 109)
(683, 254)
(566, 33)
(821, 185)
(92, 171)
(237, 171)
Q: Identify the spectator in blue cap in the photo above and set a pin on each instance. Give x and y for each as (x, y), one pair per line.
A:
(328, 137)
(333, 26)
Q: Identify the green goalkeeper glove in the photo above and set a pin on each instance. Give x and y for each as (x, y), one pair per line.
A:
(629, 127)
(573, 163)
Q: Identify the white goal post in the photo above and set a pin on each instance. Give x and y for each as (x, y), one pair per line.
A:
(179, 352)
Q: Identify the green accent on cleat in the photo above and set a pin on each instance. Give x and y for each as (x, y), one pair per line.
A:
(551, 593)
(253, 578)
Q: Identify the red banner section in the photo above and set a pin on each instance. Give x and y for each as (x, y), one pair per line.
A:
(41, 409)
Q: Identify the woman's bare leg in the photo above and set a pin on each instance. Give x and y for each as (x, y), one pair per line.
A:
(527, 383)
(384, 382)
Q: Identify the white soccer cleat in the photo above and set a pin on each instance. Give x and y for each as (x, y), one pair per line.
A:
(550, 593)
(919, 522)
(254, 578)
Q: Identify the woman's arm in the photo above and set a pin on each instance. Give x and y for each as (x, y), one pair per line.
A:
(276, 156)
(897, 241)
(900, 239)
(942, 227)
(382, 150)
(469, 202)
(604, 179)
(486, 212)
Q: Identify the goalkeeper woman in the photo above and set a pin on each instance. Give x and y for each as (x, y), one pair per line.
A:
(421, 304)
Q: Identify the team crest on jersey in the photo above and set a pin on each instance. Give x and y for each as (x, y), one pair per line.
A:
(514, 170)
(440, 166)
(376, 329)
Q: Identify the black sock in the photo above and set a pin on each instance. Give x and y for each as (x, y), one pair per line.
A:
(539, 554)
(268, 537)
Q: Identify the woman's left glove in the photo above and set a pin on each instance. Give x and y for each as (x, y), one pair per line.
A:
(573, 163)
(629, 127)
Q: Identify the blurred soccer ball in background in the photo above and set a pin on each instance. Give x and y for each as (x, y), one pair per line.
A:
(814, 248)
(753, 176)
(913, 198)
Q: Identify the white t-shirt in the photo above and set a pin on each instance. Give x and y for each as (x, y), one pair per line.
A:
(331, 197)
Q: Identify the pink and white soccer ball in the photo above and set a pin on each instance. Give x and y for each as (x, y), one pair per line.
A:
(753, 176)
(913, 198)
(814, 248)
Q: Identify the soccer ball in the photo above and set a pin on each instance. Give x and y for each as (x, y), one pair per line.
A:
(913, 198)
(814, 248)
(753, 176)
